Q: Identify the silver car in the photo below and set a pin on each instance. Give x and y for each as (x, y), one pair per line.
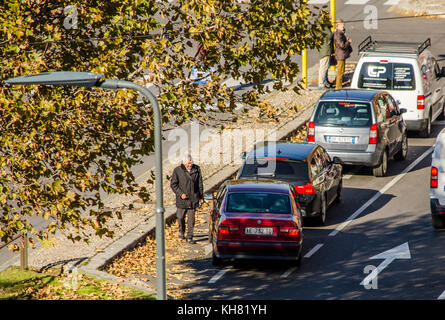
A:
(361, 127)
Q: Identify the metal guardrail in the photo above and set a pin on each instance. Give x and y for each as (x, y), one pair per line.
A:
(23, 249)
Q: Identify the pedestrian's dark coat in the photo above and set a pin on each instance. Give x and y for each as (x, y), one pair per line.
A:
(342, 46)
(188, 183)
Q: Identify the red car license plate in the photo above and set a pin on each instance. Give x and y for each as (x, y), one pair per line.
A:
(259, 231)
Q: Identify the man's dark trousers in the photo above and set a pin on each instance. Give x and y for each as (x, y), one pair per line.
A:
(181, 214)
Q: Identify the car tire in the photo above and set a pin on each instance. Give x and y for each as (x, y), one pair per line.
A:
(382, 169)
(339, 197)
(403, 152)
(217, 262)
(438, 222)
(425, 133)
(299, 259)
(321, 218)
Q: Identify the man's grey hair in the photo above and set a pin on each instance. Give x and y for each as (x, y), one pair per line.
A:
(187, 157)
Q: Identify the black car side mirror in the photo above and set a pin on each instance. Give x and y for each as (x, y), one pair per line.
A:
(403, 110)
(336, 160)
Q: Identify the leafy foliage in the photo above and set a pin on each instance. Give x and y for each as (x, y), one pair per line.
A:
(62, 149)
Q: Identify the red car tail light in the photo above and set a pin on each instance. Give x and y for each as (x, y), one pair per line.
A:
(373, 134)
(311, 132)
(434, 181)
(289, 232)
(420, 102)
(227, 230)
(307, 188)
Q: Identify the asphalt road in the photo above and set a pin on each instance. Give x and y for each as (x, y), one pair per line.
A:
(388, 223)
(337, 258)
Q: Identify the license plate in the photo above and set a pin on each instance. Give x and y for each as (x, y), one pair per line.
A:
(259, 231)
(337, 139)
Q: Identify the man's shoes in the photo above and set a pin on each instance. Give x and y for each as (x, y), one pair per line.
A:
(328, 85)
(190, 240)
(181, 236)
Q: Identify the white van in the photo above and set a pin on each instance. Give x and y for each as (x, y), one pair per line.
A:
(410, 73)
(437, 182)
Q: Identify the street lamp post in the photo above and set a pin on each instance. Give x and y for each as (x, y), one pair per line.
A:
(88, 80)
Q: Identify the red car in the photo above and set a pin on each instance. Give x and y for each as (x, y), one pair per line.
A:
(256, 220)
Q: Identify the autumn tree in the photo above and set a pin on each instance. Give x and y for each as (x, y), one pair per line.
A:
(63, 148)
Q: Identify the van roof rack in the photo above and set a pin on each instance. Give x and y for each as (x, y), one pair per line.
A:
(369, 45)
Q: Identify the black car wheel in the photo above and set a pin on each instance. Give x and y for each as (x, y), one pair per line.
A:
(382, 169)
(217, 262)
(438, 222)
(403, 152)
(299, 259)
(339, 196)
(323, 208)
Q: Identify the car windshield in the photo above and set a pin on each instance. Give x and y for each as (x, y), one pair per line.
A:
(386, 76)
(275, 169)
(258, 202)
(345, 114)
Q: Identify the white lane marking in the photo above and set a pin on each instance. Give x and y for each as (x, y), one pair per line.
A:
(381, 192)
(442, 296)
(318, 1)
(391, 2)
(356, 2)
(218, 276)
(288, 272)
(400, 252)
(313, 250)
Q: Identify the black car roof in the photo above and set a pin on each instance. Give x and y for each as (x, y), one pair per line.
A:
(257, 186)
(284, 150)
(350, 94)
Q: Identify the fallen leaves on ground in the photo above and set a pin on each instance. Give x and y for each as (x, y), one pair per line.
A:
(140, 262)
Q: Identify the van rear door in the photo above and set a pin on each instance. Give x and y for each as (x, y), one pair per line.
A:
(396, 78)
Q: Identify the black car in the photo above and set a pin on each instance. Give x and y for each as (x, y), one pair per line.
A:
(307, 167)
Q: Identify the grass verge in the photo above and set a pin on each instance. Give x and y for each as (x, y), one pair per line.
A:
(51, 285)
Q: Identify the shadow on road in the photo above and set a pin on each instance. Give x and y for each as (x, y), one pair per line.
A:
(336, 273)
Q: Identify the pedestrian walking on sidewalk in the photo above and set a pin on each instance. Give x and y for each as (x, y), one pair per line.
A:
(186, 183)
(343, 50)
(324, 56)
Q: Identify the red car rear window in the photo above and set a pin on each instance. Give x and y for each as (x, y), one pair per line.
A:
(258, 202)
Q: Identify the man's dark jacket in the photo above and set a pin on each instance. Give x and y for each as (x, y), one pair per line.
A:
(189, 183)
(343, 48)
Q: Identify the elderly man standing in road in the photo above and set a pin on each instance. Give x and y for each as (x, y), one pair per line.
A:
(343, 50)
(186, 183)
